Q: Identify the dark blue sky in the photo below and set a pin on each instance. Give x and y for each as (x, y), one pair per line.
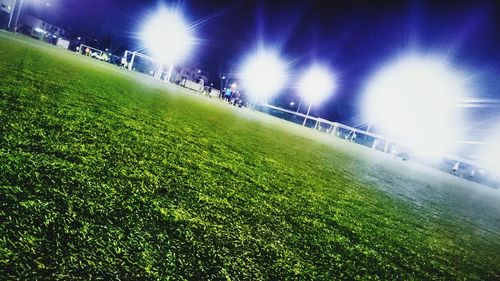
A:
(353, 37)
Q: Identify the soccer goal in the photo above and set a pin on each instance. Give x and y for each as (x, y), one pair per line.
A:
(93, 53)
(133, 60)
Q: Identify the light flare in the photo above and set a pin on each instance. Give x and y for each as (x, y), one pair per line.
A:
(413, 100)
(167, 36)
(317, 83)
(263, 75)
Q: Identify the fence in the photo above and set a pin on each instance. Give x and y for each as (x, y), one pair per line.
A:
(466, 168)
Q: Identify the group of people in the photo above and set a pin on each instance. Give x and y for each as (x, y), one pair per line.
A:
(233, 96)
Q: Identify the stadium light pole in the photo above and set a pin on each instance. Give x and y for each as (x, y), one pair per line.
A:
(300, 103)
(11, 15)
(167, 37)
(18, 13)
(316, 84)
(307, 114)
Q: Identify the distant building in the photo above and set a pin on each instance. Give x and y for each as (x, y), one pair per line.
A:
(41, 29)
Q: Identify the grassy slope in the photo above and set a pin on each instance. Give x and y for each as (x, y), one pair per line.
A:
(101, 175)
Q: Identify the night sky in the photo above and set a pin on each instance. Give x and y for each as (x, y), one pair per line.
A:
(353, 37)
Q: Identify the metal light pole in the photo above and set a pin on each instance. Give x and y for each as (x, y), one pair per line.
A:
(170, 72)
(12, 14)
(300, 103)
(307, 114)
(18, 14)
(368, 129)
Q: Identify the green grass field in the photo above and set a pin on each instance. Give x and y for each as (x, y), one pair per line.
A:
(109, 174)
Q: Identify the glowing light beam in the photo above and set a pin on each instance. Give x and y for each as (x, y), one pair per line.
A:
(315, 85)
(263, 75)
(413, 100)
(167, 36)
(489, 156)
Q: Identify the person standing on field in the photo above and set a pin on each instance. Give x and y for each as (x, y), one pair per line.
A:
(455, 168)
(227, 96)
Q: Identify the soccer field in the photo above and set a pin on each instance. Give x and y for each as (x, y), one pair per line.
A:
(106, 173)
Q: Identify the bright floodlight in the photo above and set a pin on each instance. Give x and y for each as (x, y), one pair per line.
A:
(413, 101)
(167, 36)
(489, 157)
(317, 83)
(263, 75)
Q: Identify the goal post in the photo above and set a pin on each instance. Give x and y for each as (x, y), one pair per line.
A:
(93, 52)
(134, 60)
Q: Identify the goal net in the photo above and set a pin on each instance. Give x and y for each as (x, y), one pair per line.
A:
(94, 53)
(133, 60)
